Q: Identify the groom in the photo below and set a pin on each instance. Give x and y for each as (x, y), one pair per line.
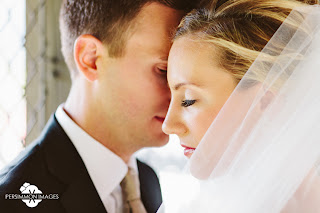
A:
(116, 52)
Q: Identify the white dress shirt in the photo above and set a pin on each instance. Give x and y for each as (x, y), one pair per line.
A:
(105, 168)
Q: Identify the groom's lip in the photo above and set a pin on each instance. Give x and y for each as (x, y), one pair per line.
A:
(161, 119)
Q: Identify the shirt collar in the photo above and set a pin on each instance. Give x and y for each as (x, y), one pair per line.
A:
(105, 168)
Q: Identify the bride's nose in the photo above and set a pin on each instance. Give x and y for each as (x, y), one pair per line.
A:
(173, 123)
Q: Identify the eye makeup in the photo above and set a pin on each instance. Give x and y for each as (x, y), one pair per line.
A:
(187, 103)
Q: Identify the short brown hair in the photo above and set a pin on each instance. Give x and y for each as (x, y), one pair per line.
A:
(107, 20)
(239, 28)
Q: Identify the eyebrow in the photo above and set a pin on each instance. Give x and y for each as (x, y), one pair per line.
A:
(178, 86)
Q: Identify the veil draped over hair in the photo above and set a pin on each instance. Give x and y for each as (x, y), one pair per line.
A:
(261, 153)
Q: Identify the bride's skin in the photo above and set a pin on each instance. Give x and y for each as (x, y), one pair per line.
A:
(199, 88)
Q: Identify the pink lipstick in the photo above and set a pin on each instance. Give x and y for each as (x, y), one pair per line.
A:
(188, 151)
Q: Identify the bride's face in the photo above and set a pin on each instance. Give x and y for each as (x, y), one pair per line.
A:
(199, 88)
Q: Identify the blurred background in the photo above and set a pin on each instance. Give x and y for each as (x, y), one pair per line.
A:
(34, 80)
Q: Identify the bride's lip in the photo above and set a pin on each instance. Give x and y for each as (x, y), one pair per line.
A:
(188, 151)
(187, 147)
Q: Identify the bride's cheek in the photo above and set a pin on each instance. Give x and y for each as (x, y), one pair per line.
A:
(205, 119)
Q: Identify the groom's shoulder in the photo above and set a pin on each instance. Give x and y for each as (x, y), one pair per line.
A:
(28, 169)
(30, 165)
(25, 165)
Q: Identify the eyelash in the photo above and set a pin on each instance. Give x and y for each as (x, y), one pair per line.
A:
(187, 103)
(162, 71)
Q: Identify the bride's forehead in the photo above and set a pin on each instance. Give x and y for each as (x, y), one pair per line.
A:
(187, 52)
(191, 60)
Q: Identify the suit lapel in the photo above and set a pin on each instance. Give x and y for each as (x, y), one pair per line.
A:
(149, 187)
(65, 164)
(81, 197)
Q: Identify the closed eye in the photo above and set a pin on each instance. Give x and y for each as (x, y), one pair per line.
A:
(162, 71)
(187, 103)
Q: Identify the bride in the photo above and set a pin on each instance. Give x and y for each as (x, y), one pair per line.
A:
(245, 83)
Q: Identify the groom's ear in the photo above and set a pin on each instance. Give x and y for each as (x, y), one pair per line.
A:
(87, 50)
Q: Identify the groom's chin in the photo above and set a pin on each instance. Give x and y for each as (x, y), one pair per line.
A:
(161, 140)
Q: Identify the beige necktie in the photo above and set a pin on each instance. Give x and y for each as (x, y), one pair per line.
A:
(131, 193)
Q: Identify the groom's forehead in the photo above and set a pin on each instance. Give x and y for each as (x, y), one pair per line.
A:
(157, 18)
(153, 29)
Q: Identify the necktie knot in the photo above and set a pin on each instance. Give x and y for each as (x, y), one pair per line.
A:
(130, 185)
(131, 193)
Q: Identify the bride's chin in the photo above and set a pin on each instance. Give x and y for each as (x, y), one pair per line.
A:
(188, 152)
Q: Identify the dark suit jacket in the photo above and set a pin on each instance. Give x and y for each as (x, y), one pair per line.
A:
(53, 165)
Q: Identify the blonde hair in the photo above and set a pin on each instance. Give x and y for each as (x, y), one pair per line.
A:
(240, 29)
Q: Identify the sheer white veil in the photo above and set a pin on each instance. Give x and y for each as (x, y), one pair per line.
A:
(261, 153)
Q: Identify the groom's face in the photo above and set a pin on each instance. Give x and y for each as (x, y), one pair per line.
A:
(133, 91)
